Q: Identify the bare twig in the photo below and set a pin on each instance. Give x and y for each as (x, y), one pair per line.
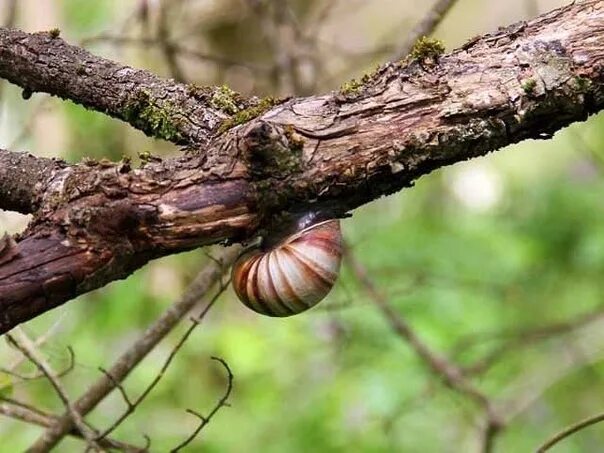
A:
(138, 351)
(132, 405)
(222, 402)
(29, 377)
(570, 430)
(513, 339)
(426, 26)
(177, 48)
(163, 36)
(28, 414)
(278, 30)
(451, 374)
(27, 347)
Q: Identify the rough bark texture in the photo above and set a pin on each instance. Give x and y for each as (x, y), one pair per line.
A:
(23, 178)
(184, 114)
(98, 222)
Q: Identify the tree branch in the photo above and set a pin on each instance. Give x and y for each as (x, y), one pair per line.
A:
(23, 180)
(31, 415)
(43, 62)
(127, 361)
(99, 222)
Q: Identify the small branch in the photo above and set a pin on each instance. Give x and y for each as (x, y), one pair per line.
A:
(42, 62)
(132, 405)
(31, 415)
(512, 340)
(127, 361)
(570, 430)
(450, 373)
(426, 26)
(11, 370)
(175, 47)
(163, 37)
(24, 344)
(204, 420)
(23, 180)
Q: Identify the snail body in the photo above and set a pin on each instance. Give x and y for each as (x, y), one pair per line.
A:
(293, 275)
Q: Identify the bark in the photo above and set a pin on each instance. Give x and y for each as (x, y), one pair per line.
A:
(161, 108)
(97, 222)
(23, 180)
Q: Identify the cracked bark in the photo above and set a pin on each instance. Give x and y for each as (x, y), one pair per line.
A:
(97, 222)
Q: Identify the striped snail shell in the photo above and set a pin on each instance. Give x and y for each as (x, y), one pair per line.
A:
(294, 275)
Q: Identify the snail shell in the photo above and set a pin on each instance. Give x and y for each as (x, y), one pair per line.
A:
(292, 276)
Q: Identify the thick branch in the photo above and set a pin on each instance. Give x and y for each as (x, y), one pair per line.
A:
(161, 108)
(327, 153)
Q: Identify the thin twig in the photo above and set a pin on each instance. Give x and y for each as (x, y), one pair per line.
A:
(451, 374)
(426, 26)
(175, 47)
(204, 420)
(139, 349)
(28, 414)
(18, 339)
(39, 374)
(131, 406)
(570, 430)
(163, 36)
(522, 337)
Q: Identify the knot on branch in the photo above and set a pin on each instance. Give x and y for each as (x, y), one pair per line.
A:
(272, 150)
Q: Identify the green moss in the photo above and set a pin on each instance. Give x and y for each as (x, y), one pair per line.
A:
(156, 120)
(351, 87)
(199, 91)
(296, 141)
(225, 99)
(245, 115)
(54, 33)
(529, 85)
(581, 85)
(427, 49)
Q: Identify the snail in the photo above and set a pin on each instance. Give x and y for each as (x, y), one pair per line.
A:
(292, 275)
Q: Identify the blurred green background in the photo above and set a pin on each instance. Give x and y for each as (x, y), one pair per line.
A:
(498, 258)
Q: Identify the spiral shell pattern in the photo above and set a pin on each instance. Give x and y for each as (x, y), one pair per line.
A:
(293, 276)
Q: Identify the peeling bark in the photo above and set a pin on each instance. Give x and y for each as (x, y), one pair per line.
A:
(97, 222)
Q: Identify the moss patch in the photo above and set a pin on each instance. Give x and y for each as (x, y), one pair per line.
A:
(157, 120)
(581, 85)
(225, 100)
(351, 88)
(528, 86)
(427, 50)
(247, 114)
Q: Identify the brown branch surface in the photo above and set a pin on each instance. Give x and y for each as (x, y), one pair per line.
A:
(161, 108)
(98, 222)
(23, 180)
